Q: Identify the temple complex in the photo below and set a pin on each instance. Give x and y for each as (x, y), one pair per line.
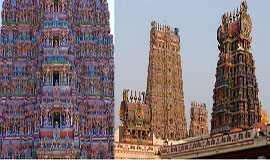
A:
(239, 127)
(134, 137)
(56, 79)
(198, 120)
(236, 102)
(164, 83)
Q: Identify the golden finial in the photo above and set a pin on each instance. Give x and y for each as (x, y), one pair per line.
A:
(237, 12)
(135, 97)
(230, 17)
(233, 14)
(131, 97)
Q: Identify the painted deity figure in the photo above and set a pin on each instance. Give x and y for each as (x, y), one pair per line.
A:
(56, 133)
(56, 91)
(41, 143)
(67, 120)
(46, 120)
(67, 140)
(125, 95)
(46, 140)
(47, 76)
(27, 153)
(56, 44)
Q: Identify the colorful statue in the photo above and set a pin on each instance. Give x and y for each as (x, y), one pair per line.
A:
(56, 132)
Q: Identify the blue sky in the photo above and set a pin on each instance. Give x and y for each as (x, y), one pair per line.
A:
(111, 9)
(198, 21)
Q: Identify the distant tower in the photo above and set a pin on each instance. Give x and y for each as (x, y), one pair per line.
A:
(236, 102)
(198, 122)
(164, 83)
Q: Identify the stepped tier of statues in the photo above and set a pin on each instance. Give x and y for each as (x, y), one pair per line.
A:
(56, 79)
(236, 102)
(165, 84)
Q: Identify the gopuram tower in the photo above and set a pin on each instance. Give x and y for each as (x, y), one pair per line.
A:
(165, 85)
(198, 120)
(236, 102)
(56, 79)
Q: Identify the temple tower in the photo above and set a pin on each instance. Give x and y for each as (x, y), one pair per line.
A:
(19, 108)
(236, 102)
(56, 79)
(198, 119)
(164, 83)
(58, 82)
(94, 65)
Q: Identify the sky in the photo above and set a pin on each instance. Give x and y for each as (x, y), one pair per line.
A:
(198, 21)
(111, 10)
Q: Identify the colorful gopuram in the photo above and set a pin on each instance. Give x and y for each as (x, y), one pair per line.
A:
(198, 120)
(165, 85)
(56, 79)
(236, 102)
(135, 116)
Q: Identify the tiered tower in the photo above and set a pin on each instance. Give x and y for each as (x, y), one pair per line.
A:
(236, 103)
(135, 116)
(57, 79)
(94, 66)
(198, 119)
(58, 109)
(19, 79)
(164, 83)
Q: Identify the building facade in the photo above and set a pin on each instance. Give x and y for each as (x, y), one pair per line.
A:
(248, 144)
(57, 79)
(198, 120)
(236, 102)
(165, 84)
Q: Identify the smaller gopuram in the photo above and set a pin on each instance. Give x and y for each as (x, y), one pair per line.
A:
(198, 119)
(135, 116)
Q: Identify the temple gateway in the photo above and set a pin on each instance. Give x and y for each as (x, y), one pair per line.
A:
(56, 79)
